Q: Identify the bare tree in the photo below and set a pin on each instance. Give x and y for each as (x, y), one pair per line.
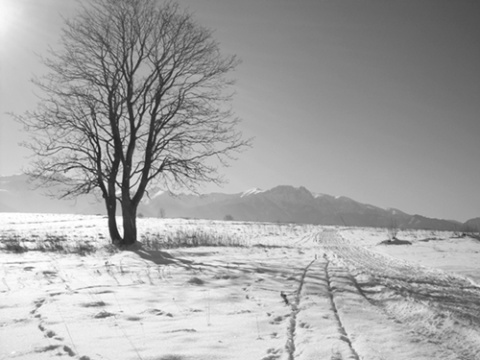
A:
(136, 95)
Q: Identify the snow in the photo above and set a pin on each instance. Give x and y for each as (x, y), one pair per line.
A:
(158, 193)
(348, 297)
(252, 192)
(392, 211)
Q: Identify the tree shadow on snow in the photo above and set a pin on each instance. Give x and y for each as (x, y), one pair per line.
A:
(161, 257)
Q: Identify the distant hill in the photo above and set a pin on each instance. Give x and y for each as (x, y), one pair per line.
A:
(472, 225)
(280, 204)
(18, 194)
(288, 204)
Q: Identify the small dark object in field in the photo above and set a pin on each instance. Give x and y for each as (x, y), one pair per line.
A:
(430, 239)
(103, 314)
(68, 350)
(284, 297)
(47, 348)
(94, 304)
(196, 281)
(395, 242)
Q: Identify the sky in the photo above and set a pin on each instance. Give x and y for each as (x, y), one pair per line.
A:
(375, 100)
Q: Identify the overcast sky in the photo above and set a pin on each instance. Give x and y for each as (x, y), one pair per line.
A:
(375, 100)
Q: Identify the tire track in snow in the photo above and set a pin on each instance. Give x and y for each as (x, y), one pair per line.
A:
(320, 332)
(343, 333)
(326, 273)
(402, 294)
(290, 345)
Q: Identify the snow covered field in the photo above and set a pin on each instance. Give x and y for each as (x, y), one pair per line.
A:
(234, 291)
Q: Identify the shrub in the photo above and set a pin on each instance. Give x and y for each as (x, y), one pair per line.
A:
(13, 244)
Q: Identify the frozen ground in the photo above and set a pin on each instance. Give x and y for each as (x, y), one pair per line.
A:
(265, 292)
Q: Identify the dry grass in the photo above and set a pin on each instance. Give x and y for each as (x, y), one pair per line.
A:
(84, 235)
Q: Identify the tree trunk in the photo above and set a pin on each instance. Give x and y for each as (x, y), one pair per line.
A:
(129, 212)
(112, 221)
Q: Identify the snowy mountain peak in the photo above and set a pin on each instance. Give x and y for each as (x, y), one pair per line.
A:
(252, 192)
(158, 193)
(319, 195)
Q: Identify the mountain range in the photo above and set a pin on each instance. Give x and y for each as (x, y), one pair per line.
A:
(285, 204)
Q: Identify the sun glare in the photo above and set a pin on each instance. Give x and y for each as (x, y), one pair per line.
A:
(8, 15)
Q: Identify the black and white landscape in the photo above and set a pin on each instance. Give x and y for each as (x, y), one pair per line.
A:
(271, 110)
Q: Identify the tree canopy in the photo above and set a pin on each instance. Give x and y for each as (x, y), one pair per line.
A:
(137, 94)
